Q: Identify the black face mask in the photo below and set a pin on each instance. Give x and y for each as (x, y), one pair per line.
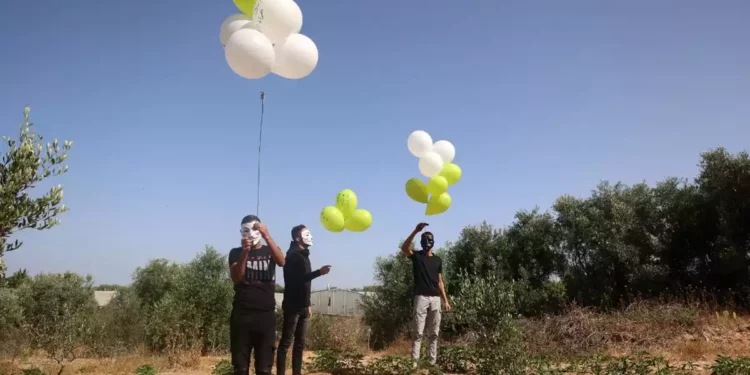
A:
(427, 243)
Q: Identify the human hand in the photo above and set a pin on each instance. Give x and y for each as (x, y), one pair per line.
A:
(247, 243)
(325, 269)
(260, 227)
(420, 227)
(447, 306)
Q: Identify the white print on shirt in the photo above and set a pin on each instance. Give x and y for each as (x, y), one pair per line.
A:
(259, 269)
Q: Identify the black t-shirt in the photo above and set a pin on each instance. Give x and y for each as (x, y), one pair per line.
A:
(256, 291)
(426, 270)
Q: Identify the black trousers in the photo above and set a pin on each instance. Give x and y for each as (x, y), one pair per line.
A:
(250, 331)
(295, 327)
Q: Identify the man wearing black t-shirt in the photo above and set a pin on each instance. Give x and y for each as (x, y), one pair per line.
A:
(428, 288)
(253, 322)
(297, 277)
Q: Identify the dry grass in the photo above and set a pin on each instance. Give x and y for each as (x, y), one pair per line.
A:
(123, 365)
(337, 332)
(678, 332)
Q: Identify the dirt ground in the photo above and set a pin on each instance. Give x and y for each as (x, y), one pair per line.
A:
(126, 365)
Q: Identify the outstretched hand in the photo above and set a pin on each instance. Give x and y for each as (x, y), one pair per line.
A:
(420, 227)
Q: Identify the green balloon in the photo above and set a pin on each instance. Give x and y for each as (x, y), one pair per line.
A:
(359, 221)
(346, 202)
(437, 185)
(451, 172)
(332, 219)
(417, 190)
(438, 204)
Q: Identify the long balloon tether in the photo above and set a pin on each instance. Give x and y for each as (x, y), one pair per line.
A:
(260, 143)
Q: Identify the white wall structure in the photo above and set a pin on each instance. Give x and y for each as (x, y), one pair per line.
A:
(336, 302)
(103, 298)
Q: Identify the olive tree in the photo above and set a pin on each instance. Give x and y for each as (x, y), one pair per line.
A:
(26, 162)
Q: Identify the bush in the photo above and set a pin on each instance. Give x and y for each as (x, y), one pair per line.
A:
(118, 326)
(11, 315)
(58, 310)
(456, 359)
(193, 313)
(224, 367)
(145, 370)
(485, 307)
(387, 309)
(729, 366)
(550, 298)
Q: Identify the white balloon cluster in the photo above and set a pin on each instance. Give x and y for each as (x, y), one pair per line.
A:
(432, 156)
(266, 39)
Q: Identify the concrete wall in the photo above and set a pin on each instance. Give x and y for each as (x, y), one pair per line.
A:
(336, 302)
(103, 297)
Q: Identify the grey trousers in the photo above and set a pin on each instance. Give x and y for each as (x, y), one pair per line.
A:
(426, 316)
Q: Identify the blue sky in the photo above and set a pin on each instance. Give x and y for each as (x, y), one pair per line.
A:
(540, 98)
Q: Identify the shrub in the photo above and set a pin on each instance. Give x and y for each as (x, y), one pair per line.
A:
(118, 326)
(193, 313)
(11, 318)
(58, 310)
(485, 307)
(224, 367)
(387, 309)
(731, 366)
(456, 359)
(145, 370)
(338, 363)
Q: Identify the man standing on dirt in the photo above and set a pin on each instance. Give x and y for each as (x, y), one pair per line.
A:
(296, 305)
(428, 288)
(252, 325)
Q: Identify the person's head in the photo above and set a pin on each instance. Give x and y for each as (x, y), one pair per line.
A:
(427, 241)
(247, 229)
(302, 236)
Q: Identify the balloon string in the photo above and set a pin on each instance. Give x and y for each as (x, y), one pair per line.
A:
(260, 143)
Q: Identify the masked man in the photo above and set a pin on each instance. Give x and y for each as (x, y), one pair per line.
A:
(296, 305)
(253, 322)
(428, 288)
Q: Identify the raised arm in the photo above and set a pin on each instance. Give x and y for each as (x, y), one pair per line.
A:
(406, 248)
(276, 253)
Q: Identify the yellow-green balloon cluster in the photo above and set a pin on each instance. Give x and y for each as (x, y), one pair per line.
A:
(435, 192)
(345, 214)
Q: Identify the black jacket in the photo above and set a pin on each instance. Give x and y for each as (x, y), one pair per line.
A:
(297, 278)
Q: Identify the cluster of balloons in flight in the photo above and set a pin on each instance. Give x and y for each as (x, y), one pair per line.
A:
(435, 163)
(265, 39)
(345, 214)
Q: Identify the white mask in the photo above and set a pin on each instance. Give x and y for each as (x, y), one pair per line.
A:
(306, 237)
(248, 231)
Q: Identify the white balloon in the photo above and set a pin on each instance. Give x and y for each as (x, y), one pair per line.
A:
(445, 149)
(296, 57)
(419, 143)
(297, 18)
(277, 19)
(249, 53)
(232, 24)
(430, 164)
